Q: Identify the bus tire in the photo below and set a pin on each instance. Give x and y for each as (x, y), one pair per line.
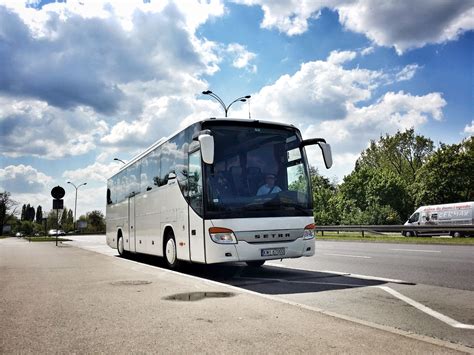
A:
(408, 234)
(457, 235)
(170, 251)
(120, 247)
(256, 263)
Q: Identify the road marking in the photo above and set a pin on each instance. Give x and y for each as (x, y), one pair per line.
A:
(419, 250)
(351, 256)
(452, 322)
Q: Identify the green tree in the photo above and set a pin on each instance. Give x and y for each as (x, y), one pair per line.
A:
(447, 176)
(30, 213)
(23, 212)
(95, 221)
(52, 221)
(63, 220)
(7, 209)
(403, 154)
(323, 199)
(70, 217)
(371, 196)
(39, 214)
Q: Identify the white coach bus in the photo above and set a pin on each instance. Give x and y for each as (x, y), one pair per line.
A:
(221, 190)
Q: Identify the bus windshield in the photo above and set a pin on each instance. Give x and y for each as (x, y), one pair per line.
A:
(258, 171)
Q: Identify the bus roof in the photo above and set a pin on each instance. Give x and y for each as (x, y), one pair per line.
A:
(212, 119)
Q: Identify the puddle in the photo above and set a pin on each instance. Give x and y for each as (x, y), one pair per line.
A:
(197, 296)
(130, 283)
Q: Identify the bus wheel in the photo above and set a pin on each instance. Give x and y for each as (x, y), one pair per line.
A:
(256, 263)
(457, 235)
(170, 252)
(120, 248)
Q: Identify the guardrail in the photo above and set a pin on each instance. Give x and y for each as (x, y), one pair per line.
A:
(424, 229)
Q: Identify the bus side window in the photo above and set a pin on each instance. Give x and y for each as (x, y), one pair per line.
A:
(167, 162)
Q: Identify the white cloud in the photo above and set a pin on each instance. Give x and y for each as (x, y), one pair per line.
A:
(100, 70)
(320, 90)
(367, 51)
(340, 57)
(97, 172)
(83, 59)
(403, 25)
(32, 127)
(407, 73)
(397, 23)
(242, 57)
(469, 128)
(23, 179)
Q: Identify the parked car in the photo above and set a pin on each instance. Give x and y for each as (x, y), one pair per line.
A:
(53, 232)
(19, 234)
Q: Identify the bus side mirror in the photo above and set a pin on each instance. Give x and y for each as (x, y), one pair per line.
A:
(207, 148)
(325, 148)
(327, 155)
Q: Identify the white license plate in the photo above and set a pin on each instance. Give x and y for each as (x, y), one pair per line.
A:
(273, 252)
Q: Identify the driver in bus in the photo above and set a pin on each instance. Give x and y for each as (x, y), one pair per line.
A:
(269, 187)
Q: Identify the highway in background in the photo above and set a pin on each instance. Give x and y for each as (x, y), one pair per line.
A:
(424, 289)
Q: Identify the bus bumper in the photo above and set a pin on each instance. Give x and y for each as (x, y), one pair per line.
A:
(243, 251)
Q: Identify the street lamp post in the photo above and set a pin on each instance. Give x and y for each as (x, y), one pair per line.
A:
(75, 201)
(120, 160)
(219, 100)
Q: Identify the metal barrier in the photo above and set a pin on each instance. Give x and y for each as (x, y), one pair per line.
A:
(424, 229)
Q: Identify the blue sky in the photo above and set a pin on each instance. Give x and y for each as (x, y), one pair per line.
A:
(82, 82)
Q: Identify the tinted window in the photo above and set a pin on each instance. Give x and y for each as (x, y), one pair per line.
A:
(256, 173)
(150, 171)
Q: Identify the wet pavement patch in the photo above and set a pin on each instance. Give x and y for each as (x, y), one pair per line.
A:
(197, 296)
(130, 283)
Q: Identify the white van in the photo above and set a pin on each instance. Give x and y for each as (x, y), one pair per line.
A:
(448, 214)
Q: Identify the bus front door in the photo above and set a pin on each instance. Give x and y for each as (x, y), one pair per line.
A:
(196, 224)
(131, 223)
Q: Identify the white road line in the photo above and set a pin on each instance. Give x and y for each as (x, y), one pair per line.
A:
(351, 256)
(418, 250)
(452, 322)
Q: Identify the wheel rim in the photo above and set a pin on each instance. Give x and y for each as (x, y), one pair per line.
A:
(120, 246)
(170, 251)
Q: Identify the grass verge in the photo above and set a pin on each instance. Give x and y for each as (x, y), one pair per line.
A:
(392, 238)
(47, 239)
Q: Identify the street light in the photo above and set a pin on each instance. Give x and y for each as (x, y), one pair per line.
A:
(75, 202)
(120, 160)
(219, 100)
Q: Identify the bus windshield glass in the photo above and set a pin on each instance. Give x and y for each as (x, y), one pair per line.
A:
(258, 171)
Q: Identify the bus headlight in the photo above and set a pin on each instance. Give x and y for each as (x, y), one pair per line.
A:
(222, 235)
(309, 232)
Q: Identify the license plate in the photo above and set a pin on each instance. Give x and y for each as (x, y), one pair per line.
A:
(273, 252)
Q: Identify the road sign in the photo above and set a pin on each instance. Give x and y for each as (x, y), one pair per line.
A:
(58, 192)
(58, 204)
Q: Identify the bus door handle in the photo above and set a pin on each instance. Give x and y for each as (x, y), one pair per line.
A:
(193, 232)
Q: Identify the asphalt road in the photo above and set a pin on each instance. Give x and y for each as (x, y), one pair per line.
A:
(68, 300)
(424, 289)
(449, 266)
